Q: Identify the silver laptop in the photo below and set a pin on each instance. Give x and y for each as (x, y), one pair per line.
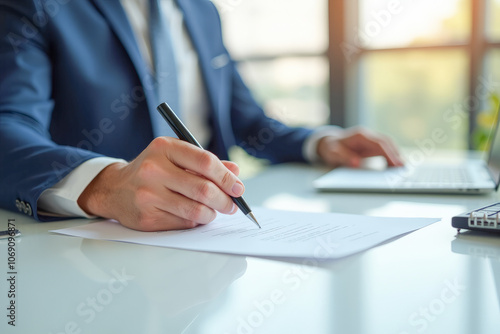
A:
(467, 176)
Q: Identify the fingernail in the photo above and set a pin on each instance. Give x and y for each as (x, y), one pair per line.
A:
(238, 189)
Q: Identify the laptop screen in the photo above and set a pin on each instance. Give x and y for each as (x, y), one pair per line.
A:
(494, 156)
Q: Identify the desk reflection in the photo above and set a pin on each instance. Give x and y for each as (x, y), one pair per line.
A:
(176, 284)
(480, 246)
(164, 289)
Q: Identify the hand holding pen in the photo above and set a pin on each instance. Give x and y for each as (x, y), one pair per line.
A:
(171, 185)
(183, 133)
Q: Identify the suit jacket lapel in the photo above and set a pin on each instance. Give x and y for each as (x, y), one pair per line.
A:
(202, 45)
(114, 13)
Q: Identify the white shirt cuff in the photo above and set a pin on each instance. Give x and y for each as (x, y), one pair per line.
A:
(61, 199)
(309, 149)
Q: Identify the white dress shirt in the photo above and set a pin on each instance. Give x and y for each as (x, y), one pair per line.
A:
(62, 198)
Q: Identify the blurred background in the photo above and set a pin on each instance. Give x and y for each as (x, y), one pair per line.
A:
(401, 67)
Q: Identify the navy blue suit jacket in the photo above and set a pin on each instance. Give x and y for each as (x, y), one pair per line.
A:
(73, 86)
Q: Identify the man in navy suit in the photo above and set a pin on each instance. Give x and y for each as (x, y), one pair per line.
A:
(79, 133)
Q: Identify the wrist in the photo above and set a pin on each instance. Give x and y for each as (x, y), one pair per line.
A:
(323, 147)
(311, 149)
(95, 199)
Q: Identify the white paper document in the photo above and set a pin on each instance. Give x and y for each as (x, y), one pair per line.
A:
(283, 234)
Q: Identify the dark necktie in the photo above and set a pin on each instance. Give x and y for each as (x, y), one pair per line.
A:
(165, 67)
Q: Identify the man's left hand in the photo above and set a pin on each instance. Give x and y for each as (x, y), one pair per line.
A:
(355, 144)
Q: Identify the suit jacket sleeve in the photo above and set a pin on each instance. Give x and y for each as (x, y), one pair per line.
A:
(261, 136)
(30, 161)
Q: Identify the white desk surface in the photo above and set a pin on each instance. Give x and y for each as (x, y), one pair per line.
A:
(429, 281)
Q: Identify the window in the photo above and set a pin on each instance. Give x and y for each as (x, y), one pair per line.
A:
(408, 69)
(404, 68)
(493, 21)
(281, 47)
(399, 24)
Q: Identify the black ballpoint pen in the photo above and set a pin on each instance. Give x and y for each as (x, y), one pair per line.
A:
(183, 133)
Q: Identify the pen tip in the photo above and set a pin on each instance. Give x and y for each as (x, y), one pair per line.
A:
(252, 218)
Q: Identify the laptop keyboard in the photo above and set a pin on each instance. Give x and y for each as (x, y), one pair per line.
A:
(430, 176)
